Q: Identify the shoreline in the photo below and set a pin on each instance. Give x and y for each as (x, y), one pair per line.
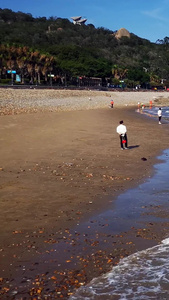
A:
(59, 169)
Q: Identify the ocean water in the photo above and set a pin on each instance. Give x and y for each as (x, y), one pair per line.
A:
(145, 274)
(152, 112)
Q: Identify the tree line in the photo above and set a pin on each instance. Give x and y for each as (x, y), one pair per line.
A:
(38, 48)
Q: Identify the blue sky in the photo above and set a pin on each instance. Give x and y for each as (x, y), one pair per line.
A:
(146, 18)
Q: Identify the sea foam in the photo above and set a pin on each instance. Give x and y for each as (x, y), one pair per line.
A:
(143, 275)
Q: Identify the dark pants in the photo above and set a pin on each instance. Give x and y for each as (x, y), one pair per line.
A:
(123, 145)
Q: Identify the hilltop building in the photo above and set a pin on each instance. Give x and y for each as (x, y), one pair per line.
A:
(78, 20)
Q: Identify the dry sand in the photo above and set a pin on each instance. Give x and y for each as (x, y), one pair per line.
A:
(57, 168)
(18, 101)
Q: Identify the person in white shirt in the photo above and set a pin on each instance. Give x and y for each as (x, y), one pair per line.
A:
(122, 131)
(159, 115)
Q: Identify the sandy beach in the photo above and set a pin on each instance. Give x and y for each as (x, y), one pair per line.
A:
(17, 101)
(60, 163)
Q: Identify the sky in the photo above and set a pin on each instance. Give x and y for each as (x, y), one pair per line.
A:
(147, 19)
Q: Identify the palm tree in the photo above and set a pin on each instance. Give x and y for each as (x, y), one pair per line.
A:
(22, 55)
(48, 63)
(119, 72)
(35, 61)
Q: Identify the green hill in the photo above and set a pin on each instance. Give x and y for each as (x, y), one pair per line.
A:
(37, 47)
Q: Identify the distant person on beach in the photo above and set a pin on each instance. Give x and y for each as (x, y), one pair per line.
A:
(159, 115)
(111, 103)
(122, 131)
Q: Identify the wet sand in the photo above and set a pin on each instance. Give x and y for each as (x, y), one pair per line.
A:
(58, 169)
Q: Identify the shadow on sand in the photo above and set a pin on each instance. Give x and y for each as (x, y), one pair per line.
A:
(132, 147)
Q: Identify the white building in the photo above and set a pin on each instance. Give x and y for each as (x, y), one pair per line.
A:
(78, 20)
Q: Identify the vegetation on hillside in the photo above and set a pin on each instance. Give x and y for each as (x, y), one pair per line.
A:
(39, 47)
